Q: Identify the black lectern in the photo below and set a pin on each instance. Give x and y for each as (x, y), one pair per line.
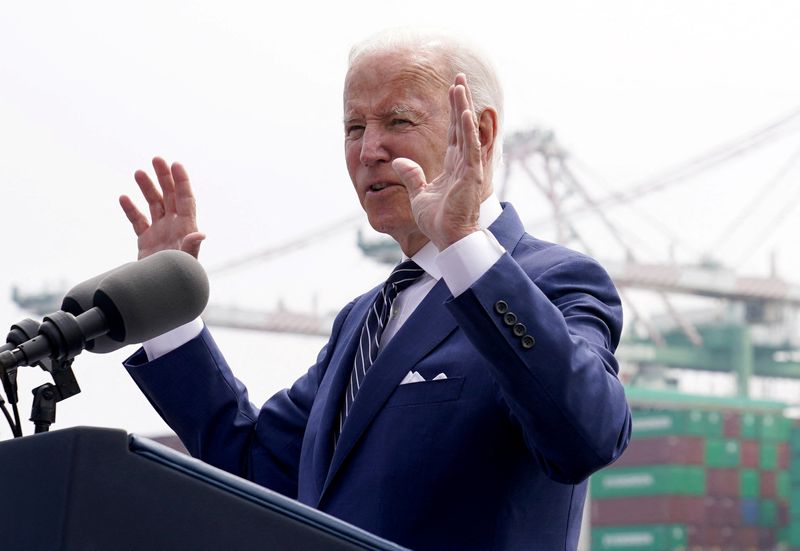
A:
(88, 489)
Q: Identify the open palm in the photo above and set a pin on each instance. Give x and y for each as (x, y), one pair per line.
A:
(173, 215)
(447, 208)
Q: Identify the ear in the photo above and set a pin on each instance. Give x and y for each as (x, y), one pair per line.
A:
(487, 132)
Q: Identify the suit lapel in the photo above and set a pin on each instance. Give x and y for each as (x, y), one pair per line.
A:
(404, 351)
(333, 386)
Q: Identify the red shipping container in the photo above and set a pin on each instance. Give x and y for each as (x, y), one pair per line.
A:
(663, 450)
(749, 454)
(730, 538)
(709, 537)
(769, 484)
(748, 537)
(783, 513)
(649, 510)
(783, 456)
(731, 424)
(723, 511)
(723, 482)
(766, 538)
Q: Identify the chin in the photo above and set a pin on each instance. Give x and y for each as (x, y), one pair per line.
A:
(391, 225)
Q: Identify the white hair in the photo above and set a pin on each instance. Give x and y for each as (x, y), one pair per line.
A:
(459, 56)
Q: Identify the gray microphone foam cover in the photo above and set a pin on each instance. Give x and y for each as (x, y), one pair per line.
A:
(80, 299)
(154, 295)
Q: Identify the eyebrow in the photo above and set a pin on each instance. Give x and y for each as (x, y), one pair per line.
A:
(399, 109)
(402, 110)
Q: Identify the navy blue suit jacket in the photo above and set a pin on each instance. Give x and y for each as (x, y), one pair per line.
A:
(494, 457)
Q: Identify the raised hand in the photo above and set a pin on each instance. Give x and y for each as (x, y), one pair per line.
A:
(447, 208)
(173, 216)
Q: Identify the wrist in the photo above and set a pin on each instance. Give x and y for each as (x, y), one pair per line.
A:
(443, 242)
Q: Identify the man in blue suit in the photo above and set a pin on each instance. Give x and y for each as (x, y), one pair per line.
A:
(472, 418)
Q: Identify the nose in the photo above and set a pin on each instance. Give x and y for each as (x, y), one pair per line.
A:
(373, 146)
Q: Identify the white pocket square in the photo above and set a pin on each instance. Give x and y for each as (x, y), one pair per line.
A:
(415, 377)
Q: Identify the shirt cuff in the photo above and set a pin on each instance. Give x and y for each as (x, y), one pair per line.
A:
(169, 341)
(466, 260)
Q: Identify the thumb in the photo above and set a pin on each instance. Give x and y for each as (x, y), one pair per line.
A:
(191, 243)
(410, 174)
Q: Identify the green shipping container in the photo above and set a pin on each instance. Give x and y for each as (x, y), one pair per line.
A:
(775, 427)
(768, 512)
(794, 440)
(651, 537)
(723, 452)
(794, 471)
(784, 486)
(649, 480)
(676, 422)
(749, 425)
(768, 455)
(793, 535)
(749, 483)
(794, 504)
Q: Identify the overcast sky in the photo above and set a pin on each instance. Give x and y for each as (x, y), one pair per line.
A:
(248, 96)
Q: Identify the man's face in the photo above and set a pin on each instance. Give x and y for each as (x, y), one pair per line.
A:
(395, 105)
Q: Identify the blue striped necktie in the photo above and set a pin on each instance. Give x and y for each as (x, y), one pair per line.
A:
(404, 274)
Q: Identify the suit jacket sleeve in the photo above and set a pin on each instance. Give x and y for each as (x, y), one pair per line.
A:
(562, 391)
(195, 392)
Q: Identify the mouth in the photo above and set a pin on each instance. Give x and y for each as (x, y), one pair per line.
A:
(379, 186)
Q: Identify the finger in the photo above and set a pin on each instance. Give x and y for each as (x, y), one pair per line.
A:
(191, 243)
(134, 215)
(471, 149)
(461, 79)
(184, 198)
(151, 194)
(451, 131)
(461, 105)
(410, 174)
(166, 182)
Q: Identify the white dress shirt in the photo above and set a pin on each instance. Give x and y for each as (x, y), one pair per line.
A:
(461, 264)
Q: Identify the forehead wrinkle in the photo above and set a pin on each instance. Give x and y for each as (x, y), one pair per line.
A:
(423, 74)
(417, 79)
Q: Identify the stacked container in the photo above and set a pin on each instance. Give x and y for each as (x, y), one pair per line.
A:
(793, 530)
(697, 479)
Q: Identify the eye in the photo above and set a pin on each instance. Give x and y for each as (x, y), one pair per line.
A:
(400, 122)
(353, 130)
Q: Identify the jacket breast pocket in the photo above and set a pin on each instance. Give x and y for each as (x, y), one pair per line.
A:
(428, 392)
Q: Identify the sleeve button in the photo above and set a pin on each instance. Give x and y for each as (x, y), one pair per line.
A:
(519, 329)
(528, 342)
(510, 318)
(501, 307)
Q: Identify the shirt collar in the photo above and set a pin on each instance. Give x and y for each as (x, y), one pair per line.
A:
(426, 256)
(491, 209)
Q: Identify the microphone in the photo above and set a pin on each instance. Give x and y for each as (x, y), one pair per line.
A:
(20, 332)
(133, 303)
(79, 299)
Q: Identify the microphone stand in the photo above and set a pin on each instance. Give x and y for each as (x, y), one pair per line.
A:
(19, 333)
(45, 397)
(58, 340)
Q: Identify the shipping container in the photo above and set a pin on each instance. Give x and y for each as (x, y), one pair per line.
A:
(649, 480)
(722, 452)
(640, 538)
(661, 450)
(750, 453)
(749, 483)
(723, 482)
(648, 423)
